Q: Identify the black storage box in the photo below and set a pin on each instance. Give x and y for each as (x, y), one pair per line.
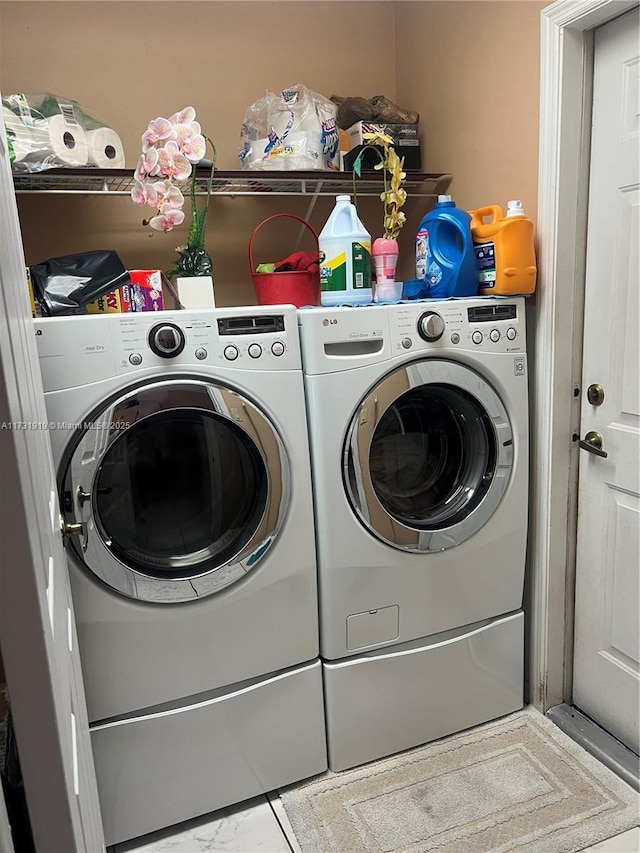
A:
(405, 141)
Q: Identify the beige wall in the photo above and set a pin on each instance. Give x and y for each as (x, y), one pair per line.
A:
(472, 70)
(469, 68)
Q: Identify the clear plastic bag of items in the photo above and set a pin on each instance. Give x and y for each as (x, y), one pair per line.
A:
(293, 131)
(47, 131)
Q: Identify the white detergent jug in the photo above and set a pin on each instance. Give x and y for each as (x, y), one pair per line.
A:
(345, 257)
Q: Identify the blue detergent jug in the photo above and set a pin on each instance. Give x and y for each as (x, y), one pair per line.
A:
(446, 263)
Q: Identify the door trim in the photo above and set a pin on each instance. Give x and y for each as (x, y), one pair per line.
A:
(564, 144)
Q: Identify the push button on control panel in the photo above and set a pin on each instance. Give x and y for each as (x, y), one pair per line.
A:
(277, 348)
(494, 334)
(135, 358)
(407, 343)
(201, 353)
(255, 350)
(476, 337)
(511, 333)
(455, 338)
(230, 353)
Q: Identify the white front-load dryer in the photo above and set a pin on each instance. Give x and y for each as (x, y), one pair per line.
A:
(418, 421)
(180, 442)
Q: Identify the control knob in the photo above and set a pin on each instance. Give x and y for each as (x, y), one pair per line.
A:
(430, 326)
(166, 340)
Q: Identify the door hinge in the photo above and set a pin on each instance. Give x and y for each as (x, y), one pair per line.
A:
(78, 528)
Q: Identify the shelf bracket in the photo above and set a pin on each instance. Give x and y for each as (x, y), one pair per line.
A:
(312, 204)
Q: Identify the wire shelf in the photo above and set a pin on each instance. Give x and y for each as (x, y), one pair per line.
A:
(238, 183)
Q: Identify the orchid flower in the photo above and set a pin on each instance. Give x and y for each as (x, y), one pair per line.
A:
(144, 193)
(147, 165)
(159, 129)
(190, 141)
(167, 219)
(185, 116)
(378, 138)
(172, 164)
(167, 194)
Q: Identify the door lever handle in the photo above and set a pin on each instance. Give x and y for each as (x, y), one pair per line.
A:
(592, 442)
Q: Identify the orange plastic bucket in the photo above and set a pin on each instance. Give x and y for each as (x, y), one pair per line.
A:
(298, 287)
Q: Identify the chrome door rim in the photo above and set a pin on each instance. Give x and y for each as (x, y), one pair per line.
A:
(365, 501)
(103, 428)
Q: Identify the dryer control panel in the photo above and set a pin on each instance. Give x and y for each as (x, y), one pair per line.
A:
(487, 325)
(77, 350)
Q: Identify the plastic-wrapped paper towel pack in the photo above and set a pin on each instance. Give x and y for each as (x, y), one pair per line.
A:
(295, 130)
(47, 131)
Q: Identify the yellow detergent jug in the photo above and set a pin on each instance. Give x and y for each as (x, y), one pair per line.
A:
(504, 250)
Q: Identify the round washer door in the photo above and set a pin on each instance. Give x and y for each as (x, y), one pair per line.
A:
(180, 488)
(428, 456)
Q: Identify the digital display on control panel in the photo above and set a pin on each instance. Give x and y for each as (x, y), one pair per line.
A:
(251, 325)
(491, 313)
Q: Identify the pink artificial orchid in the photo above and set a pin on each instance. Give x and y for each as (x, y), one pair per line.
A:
(172, 164)
(159, 129)
(147, 165)
(144, 193)
(168, 218)
(190, 141)
(185, 116)
(169, 148)
(167, 194)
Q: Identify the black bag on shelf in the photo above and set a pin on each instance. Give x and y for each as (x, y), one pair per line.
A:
(65, 284)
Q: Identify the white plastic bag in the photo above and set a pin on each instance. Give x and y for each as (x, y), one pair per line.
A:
(293, 131)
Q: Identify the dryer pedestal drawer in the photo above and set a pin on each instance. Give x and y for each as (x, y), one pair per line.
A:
(172, 765)
(403, 696)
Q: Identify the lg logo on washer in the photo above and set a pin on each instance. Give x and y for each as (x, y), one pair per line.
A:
(327, 322)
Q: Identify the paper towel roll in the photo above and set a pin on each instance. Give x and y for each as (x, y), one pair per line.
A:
(105, 148)
(68, 142)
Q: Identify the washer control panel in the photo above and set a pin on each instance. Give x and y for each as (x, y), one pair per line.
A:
(489, 325)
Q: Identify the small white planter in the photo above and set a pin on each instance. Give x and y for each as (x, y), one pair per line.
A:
(195, 291)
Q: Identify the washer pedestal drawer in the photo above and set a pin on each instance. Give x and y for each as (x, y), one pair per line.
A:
(402, 696)
(171, 764)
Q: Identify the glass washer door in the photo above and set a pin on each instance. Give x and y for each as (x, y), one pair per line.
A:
(181, 487)
(428, 456)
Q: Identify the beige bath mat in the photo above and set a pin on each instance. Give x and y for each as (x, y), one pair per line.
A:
(517, 784)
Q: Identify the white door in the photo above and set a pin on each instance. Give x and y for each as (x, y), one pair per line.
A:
(37, 627)
(607, 644)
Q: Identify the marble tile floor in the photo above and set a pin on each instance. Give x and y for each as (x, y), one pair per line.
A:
(261, 826)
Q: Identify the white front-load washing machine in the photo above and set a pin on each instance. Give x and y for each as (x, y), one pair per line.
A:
(180, 443)
(418, 420)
